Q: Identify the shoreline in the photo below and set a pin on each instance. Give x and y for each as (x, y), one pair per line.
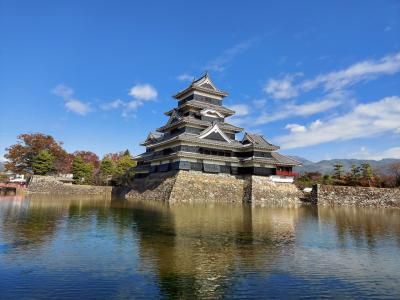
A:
(196, 187)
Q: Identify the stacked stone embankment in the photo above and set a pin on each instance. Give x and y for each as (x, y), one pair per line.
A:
(49, 185)
(356, 196)
(264, 191)
(192, 186)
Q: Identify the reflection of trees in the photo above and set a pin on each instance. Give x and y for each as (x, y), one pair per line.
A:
(362, 225)
(195, 248)
(28, 223)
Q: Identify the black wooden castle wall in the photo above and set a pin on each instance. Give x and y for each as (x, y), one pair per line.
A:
(201, 99)
(212, 168)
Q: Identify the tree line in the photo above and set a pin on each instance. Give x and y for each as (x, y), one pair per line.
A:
(358, 175)
(41, 154)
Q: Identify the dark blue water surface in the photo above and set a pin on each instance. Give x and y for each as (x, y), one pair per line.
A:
(59, 248)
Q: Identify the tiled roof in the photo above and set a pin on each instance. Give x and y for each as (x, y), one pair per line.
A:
(285, 160)
(259, 141)
(276, 159)
(191, 120)
(198, 104)
(204, 84)
(153, 136)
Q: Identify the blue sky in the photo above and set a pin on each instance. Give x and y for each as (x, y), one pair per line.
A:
(320, 79)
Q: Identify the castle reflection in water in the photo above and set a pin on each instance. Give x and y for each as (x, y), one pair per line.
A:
(202, 250)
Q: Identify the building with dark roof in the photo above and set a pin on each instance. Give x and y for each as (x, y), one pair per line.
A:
(197, 137)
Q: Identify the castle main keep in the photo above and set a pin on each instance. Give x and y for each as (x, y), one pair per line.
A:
(197, 137)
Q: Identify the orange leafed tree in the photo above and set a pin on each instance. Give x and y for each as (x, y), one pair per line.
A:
(29, 145)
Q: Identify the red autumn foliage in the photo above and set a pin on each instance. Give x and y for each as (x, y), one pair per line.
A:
(88, 157)
(29, 145)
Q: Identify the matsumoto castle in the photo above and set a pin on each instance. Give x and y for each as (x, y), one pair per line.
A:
(196, 137)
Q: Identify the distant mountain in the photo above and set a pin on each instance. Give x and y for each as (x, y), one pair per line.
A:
(1, 166)
(326, 166)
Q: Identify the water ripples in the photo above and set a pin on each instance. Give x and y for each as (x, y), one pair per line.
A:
(90, 249)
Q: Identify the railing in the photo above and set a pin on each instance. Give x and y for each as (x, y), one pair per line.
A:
(286, 173)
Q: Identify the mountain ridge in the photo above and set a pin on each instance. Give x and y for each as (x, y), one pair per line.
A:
(326, 166)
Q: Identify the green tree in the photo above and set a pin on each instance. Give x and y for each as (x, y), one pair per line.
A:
(367, 173)
(82, 171)
(43, 163)
(124, 163)
(395, 169)
(20, 155)
(327, 179)
(106, 169)
(355, 174)
(338, 171)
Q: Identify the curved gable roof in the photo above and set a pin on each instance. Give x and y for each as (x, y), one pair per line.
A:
(258, 141)
(214, 129)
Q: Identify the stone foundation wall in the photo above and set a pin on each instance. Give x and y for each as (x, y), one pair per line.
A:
(357, 196)
(49, 185)
(156, 186)
(193, 186)
(264, 191)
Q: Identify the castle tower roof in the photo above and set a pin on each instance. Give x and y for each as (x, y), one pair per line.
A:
(203, 84)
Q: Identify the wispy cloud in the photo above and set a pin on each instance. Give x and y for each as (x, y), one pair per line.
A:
(185, 77)
(282, 88)
(240, 109)
(285, 87)
(112, 104)
(365, 153)
(259, 103)
(365, 120)
(220, 63)
(296, 128)
(140, 93)
(63, 91)
(291, 110)
(71, 103)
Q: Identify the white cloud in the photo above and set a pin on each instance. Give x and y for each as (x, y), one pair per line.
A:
(287, 111)
(133, 105)
(390, 153)
(72, 104)
(364, 153)
(356, 73)
(240, 109)
(113, 105)
(143, 92)
(362, 71)
(315, 124)
(282, 88)
(220, 63)
(302, 110)
(291, 110)
(364, 120)
(296, 128)
(79, 107)
(63, 91)
(185, 77)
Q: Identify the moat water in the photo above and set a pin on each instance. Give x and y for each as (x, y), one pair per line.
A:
(96, 249)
